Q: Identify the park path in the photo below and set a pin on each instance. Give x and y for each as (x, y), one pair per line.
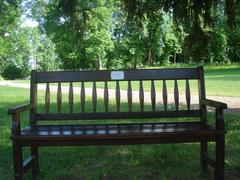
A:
(232, 102)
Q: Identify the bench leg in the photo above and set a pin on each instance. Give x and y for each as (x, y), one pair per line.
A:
(203, 150)
(17, 160)
(35, 167)
(220, 152)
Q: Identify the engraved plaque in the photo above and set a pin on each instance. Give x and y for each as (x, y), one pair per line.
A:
(117, 75)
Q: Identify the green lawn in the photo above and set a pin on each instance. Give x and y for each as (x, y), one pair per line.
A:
(220, 81)
(177, 161)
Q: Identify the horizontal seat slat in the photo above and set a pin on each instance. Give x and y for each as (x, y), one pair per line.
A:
(118, 115)
(117, 140)
(118, 129)
(105, 75)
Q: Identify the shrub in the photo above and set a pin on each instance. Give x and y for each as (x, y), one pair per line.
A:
(12, 71)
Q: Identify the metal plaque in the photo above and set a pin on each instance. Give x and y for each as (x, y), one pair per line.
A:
(117, 75)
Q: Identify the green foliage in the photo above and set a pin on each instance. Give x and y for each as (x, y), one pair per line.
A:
(233, 39)
(133, 47)
(20, 43)
(234, 45)
(173, 42)
(42, 50)
(9, 13)
(12, 71)
(98, 34)
(111, 38)
(82, 35)
(154, 37)
(217, 47)
(16, 48)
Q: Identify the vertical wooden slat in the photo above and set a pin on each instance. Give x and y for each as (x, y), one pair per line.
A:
(165, 95)
(202, 94)
(33, 97)
(117, 96)
(203, 115)
(59, 98)
(153, 95)
(129, 94)
(188, 95)
(141, 96)
(94, 97)
(70, 97)
(82, 97)
(47, 98)
(176, 95)
(18, 160)
(106, 98)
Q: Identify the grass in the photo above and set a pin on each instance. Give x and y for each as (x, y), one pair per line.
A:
(164, 161)
(220, 81)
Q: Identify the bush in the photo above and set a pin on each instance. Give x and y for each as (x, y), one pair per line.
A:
(11, 71)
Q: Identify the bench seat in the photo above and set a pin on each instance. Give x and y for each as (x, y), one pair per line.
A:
(135, 131)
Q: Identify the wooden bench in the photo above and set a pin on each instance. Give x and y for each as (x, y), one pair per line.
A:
(139, 131)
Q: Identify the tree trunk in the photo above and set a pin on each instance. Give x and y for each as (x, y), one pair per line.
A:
(174, 57)
(150, 57)
(99, 62)
(135, 65)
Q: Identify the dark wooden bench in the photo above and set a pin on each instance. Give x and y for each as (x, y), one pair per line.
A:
(139, 131)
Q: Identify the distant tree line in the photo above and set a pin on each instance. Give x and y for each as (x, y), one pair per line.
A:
(97, 34)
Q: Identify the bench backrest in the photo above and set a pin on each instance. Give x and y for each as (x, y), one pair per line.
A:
(81, 78)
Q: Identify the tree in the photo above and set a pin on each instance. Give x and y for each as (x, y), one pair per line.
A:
(196, 18)
(42, 50)
(154, 22)
(130, 33)
(233, 29)
(10, 14)
(81, 31)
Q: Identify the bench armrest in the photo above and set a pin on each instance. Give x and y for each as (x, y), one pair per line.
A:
(15, 112)
(219, 107)
(20, 109)
(213, 103)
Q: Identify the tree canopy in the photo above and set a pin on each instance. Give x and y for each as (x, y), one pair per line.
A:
(82, 34)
